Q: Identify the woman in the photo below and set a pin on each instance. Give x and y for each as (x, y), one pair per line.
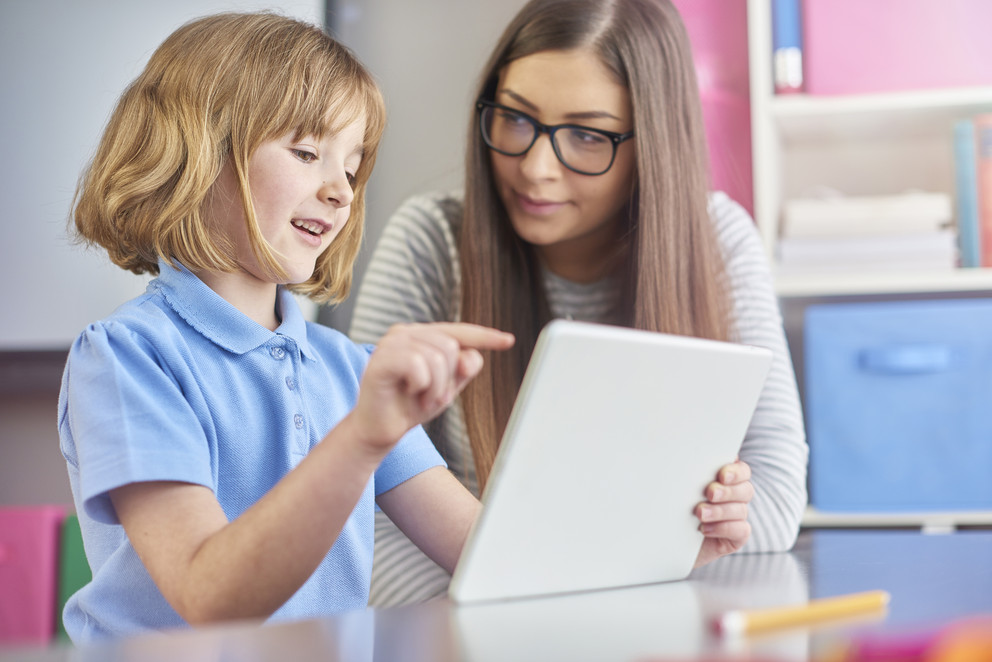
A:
(586, 197)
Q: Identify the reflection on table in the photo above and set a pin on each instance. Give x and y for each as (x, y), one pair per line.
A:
(934, 580)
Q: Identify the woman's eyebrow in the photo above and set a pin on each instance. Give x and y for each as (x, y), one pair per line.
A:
(584, 115)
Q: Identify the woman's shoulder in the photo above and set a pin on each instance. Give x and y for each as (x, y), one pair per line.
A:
(431, 212)
(726, 212)
(734, 227)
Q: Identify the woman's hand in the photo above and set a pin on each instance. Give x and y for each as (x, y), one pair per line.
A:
(415, 372)
(723, 515)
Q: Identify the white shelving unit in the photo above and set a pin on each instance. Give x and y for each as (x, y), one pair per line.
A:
(860, 145)
(930, 522)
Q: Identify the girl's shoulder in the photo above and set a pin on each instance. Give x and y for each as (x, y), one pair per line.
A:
(136, 320)
(337, 348)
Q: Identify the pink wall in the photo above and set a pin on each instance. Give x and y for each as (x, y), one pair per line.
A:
(718, 30)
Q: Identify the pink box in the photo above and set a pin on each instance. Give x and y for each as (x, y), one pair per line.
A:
(29, 548)
(865, 46)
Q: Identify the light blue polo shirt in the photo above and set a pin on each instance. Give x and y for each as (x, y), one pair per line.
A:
(179, 385)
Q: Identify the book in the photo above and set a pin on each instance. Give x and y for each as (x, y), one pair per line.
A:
(966, 192)
(787, 46)
(842, 216)
(923, 251)
(983, 182)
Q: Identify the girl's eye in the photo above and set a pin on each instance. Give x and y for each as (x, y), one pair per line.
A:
(352, 180)
(305, 155)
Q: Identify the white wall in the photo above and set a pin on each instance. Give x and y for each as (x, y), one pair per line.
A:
(426, 55)
(63, 63)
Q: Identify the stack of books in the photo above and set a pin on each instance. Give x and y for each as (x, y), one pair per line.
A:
(836, 234)
(973, 188)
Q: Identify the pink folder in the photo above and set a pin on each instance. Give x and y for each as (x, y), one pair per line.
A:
(718, 32)
(29, 544)
(864, 46)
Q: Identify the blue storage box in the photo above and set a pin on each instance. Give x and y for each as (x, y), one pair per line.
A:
(898, 403)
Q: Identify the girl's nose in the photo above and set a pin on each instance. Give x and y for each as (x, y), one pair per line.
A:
(337, 190)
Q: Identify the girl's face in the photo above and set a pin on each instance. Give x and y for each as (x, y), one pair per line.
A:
(302, 193)
(571, 218)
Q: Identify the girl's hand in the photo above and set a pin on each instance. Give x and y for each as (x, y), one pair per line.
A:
(723, 515)
(415, 372)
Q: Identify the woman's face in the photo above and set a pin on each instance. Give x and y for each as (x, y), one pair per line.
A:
(570, 218)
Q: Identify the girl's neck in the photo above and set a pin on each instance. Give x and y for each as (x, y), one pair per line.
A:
(253, 297)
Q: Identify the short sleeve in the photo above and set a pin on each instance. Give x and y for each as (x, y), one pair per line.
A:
(127, 418)
(414, 454)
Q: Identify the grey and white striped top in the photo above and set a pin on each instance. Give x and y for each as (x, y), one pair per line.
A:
(414, 276)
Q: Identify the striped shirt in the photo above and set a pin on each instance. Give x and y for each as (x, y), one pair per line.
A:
(414, 276)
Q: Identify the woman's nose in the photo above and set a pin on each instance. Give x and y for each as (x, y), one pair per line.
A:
(540, 161)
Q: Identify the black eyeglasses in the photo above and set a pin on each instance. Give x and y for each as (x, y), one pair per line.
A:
(581, 149)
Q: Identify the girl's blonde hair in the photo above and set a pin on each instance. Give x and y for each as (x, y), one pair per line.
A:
(216, 89)
(670, 268)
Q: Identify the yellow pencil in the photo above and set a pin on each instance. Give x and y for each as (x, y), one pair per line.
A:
(810, 613)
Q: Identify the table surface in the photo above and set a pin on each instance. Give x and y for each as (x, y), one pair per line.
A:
(934, 580)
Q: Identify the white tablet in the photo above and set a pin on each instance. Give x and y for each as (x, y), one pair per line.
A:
(614, 435)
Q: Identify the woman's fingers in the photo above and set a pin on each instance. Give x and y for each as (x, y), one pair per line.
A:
(720, 493)
(724, 512)
(733, 473)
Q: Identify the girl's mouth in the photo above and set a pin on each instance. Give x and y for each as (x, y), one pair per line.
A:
(313, 227)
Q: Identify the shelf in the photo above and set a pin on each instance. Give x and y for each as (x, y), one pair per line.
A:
(814, 119)
(928, 521)
(897, 282)
(31, 372)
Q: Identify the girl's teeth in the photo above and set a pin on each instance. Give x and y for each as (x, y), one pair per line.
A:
(312, 228)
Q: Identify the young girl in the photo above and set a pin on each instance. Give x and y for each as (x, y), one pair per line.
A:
(586, 197)
(224, 454)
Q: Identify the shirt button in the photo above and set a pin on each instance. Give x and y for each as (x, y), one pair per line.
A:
(298, 421)
(290, 383)
(278, 353)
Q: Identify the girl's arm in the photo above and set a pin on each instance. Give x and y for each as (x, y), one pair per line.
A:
(435, 511)
(210, 569)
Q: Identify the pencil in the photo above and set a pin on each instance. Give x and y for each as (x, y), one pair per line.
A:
(810, 613)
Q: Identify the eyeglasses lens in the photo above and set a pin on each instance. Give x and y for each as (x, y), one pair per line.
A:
(514, 133)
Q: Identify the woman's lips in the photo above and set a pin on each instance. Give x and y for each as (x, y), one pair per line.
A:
(536, 206)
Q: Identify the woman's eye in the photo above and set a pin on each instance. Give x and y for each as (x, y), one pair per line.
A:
(352, 180)
(588, 137)
(305, 155)
(509, 117)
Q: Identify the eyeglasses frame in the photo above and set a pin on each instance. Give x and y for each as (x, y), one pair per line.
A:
(614, 138)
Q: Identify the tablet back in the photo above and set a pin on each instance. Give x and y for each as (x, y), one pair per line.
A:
(614, 435)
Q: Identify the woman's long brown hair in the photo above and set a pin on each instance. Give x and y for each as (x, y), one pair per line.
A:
(671, 269)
